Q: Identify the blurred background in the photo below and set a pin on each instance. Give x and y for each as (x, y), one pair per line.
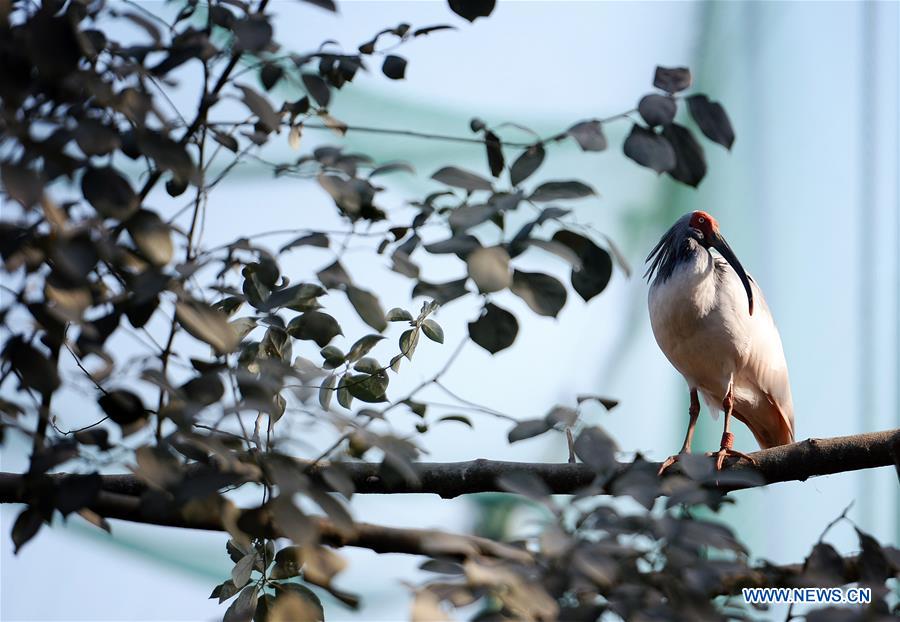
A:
(808, 198)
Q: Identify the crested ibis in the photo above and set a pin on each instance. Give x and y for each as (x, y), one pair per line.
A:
(711, 321)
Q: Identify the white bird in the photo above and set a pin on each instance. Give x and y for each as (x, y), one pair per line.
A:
(711, 321)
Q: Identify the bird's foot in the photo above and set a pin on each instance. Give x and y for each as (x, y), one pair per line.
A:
(669, 462)
(728, 452)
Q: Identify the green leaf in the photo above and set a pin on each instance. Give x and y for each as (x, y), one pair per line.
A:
(596, 264)
(408, 342)
(345, 398)
(526, 164)
(369, 388)
(433, 330)
(367, 364)
(362, 347)
(333, 356)
(460, 418)
(398, 315)
(315, 326)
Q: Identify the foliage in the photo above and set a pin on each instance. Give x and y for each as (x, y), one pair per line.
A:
(86, 258)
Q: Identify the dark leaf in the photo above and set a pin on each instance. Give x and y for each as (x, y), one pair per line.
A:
(76, 491)
(226, 140)
(261, 107)
(122, 407)
(334, 276)
(206, 389)
(459, 178)
(394, 67)
(672, 80)
(543, 293)
(22, 184)
(151, 236)
(608, 403)
(109, 193)
(489, 268)
(690, 163)
(596, 449)
(317, 89)
(95, 138)
(398, 315)
(526, 484)
(596, 264)
(408, 342)
(472, 9)
(649, 149)
(657, 109)
(35, 370)
(243, 607)
(873, 565)
(27, 524)
(166, 153)
(712, 120)
(528, 429)
(253, 33)
(442, 293)
(270, 74)
(495, 329)
(460, 418)
(294, 601)
(459, 245)
(589, 135)
(367, 306)
(319, 240)
(526, 164)
(464, 218)
(240, 574)
(328, 5)
(555, 190)
(392, 167)
(314, 326)
(494, 153)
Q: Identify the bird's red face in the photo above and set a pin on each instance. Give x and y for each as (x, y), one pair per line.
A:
(705, 224)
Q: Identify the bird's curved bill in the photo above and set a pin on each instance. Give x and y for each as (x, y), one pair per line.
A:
(721, 245)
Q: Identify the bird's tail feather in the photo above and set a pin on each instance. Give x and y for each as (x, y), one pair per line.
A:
(776, 430)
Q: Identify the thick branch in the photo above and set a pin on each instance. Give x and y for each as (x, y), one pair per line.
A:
(795, 462)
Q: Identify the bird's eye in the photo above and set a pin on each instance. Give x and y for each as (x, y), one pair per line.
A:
(701, 220)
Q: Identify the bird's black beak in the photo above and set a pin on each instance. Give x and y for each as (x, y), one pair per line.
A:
(719, 243)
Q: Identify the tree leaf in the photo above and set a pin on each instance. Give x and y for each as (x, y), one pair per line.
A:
(712, 120)
(589, 135)
(472, 9)
(319, 240)
(690, 163)
(326, 391)
(362, 347)
(151, 236)
(495, 329)
(243, 607)
(240, 574)
(270, 74)
(672, 80)
(459, 245)
(394, 67)
(464, 218)
(314, 326)
(35, 370)
(494, 150)
(261, 107)
(109, 193)
(408, 342)
(460, 418)
(367, 306)
(608, 403)
(541, 292)
(317, 89)
(596, 264)
(459, 178)
(27, 524)
(657, 109)
(556, 190)
(526, 164)
(442, 293)
(253, 33)
(489, 268)
(433, 330)
(596, 449)
(528, 429)
(649, 149)
(369, 388)
(398, 315)
(122, 407)
(208, 325)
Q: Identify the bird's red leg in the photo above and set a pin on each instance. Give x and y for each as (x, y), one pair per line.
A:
(726, 448)
(694, 412)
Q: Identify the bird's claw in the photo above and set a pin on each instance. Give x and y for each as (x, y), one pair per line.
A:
(726, 452)
(667, 463)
